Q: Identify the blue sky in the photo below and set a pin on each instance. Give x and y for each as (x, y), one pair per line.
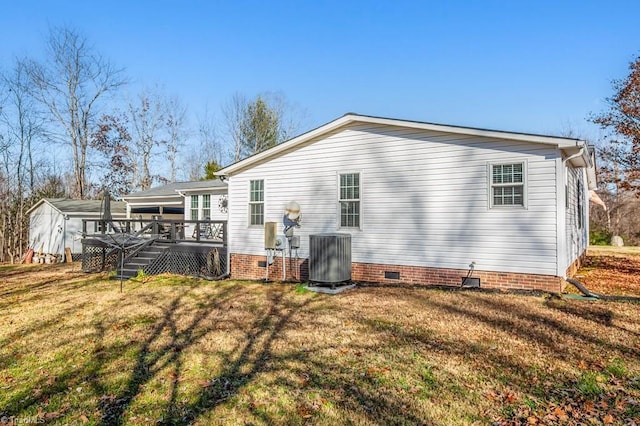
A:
(531, 66)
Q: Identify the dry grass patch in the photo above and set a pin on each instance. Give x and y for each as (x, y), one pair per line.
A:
(177, 350)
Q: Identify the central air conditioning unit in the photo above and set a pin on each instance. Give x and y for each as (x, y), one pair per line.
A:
(330, 258)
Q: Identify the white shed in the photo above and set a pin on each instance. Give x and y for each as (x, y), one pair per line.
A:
(421, 201)
(56, 223)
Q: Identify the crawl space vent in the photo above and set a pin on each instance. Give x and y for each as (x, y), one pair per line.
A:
(470, 282)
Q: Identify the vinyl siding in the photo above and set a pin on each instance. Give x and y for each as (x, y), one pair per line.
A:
(216, 214)
(577, 238)
(44, 223)
(424, 199)
(46, 228)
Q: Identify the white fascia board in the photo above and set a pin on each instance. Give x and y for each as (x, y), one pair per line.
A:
(199, 190)
(558, 142)
(126, 199)
(94, 214)
(151, 203)
(495, 134)
(592, 180)
(36, 205)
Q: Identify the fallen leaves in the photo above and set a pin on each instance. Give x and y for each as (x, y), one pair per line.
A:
(612, 274)
(615, 406)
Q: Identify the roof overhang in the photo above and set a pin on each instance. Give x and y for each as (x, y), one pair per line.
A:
(213, 189)
(350, 118)
(583, 156)
(36, 205)
(150, 197)
(70, 212)
(142, 202)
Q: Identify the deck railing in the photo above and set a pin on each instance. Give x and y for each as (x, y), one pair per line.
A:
(167, 230)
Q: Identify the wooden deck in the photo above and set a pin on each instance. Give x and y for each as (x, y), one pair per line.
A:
(189, 247)
(165, 230)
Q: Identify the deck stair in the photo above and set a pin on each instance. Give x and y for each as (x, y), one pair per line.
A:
(142, 259)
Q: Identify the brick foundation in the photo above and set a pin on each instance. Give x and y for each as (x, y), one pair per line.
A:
(248, 267)
(573, 268)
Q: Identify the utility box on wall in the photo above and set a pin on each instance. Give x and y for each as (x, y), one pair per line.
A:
(330, 258)
(270, 229)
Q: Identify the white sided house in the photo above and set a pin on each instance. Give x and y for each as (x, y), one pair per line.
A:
(56, 223)
(422, 202)
(204, 200)
(195, 200)
(190, 201)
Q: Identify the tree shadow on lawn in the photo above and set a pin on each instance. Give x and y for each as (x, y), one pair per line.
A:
(589, 311)
(37, 290)
(519, 320)
(256, 357)
(563, 338)
(37, 326)
(251, 356)
(556, 343)
(153, 356)
(178, 323)
(46, 388)
(44, 291)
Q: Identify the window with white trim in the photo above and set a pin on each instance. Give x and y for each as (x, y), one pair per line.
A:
(349, 200)
(256, 202)
(194, 207)
(508, 185)
(206, 206)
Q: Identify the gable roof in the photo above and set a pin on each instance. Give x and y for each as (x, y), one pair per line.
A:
(173, 189)
(68, 206)
(571, 145)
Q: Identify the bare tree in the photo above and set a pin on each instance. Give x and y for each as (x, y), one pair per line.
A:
(234, 112)
(208, 148)
(71, 83)
(148, 119)
(20, 126)
(113, 141)
(176, 114)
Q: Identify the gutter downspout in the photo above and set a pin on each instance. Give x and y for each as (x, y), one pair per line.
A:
(566, 160)
(566, 180)
(577, 154)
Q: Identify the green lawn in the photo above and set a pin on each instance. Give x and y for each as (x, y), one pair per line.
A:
(176, 350)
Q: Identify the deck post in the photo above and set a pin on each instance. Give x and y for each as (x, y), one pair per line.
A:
(173, 230)
(224, 233)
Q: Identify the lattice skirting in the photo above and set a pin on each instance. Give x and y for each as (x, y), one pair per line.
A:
(190, 260)
(98, 258)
